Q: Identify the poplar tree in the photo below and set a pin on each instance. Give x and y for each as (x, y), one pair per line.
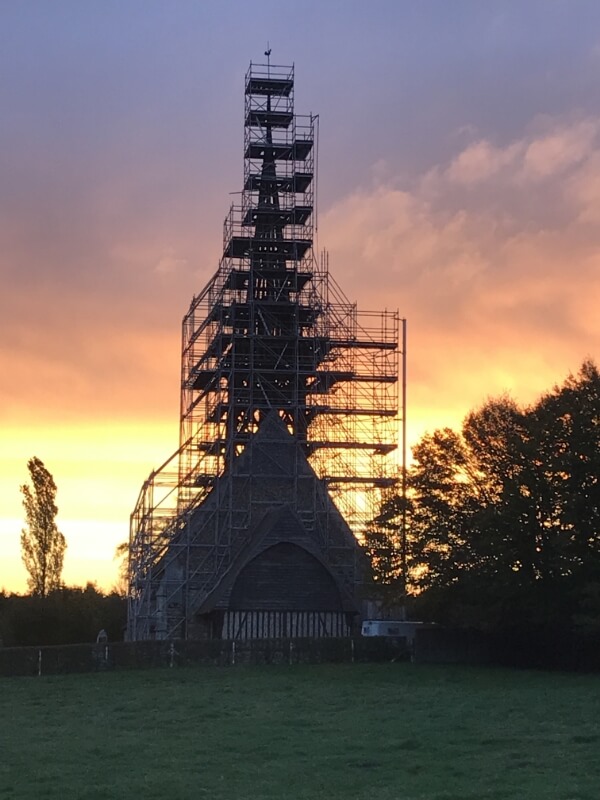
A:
(42, 544)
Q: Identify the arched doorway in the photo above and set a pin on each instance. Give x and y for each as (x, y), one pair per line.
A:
(284, 592)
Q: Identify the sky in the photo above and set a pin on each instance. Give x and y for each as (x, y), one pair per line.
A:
(459, 182)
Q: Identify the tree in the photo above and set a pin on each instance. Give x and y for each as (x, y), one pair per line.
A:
(121, 586)
(42, 544)
(383, 547)
(505, 514)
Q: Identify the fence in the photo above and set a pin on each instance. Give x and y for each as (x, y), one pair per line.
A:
(57, 660)
(433, 646)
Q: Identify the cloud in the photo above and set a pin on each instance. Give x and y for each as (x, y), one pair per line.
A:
(481, 161)
(560, 150)
(553, 150)
(583, 189)
(169, 262)
(492, 257)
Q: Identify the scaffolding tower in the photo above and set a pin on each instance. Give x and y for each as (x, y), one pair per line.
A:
(271, 333)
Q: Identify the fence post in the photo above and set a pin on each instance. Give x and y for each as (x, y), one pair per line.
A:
(291, 649)
(352, 650)
(233, 653)
(39, 663)
(171, 654)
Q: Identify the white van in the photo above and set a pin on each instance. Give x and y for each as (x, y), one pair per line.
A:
(400, 629)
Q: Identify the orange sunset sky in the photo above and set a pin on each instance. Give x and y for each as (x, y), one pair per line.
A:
(459, 181)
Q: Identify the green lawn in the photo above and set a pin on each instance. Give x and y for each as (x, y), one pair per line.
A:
(334, 731)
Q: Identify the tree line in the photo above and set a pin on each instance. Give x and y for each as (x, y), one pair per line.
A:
(66, 615)
(502, 517)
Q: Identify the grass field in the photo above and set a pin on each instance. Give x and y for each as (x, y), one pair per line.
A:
(334, 731)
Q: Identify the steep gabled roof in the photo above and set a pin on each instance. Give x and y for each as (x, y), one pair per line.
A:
(278, 525)
(273, 454)
(274, 472)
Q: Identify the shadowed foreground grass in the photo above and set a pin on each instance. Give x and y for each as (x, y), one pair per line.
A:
(334, 731)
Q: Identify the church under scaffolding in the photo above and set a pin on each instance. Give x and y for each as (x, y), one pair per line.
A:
(290, 404)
